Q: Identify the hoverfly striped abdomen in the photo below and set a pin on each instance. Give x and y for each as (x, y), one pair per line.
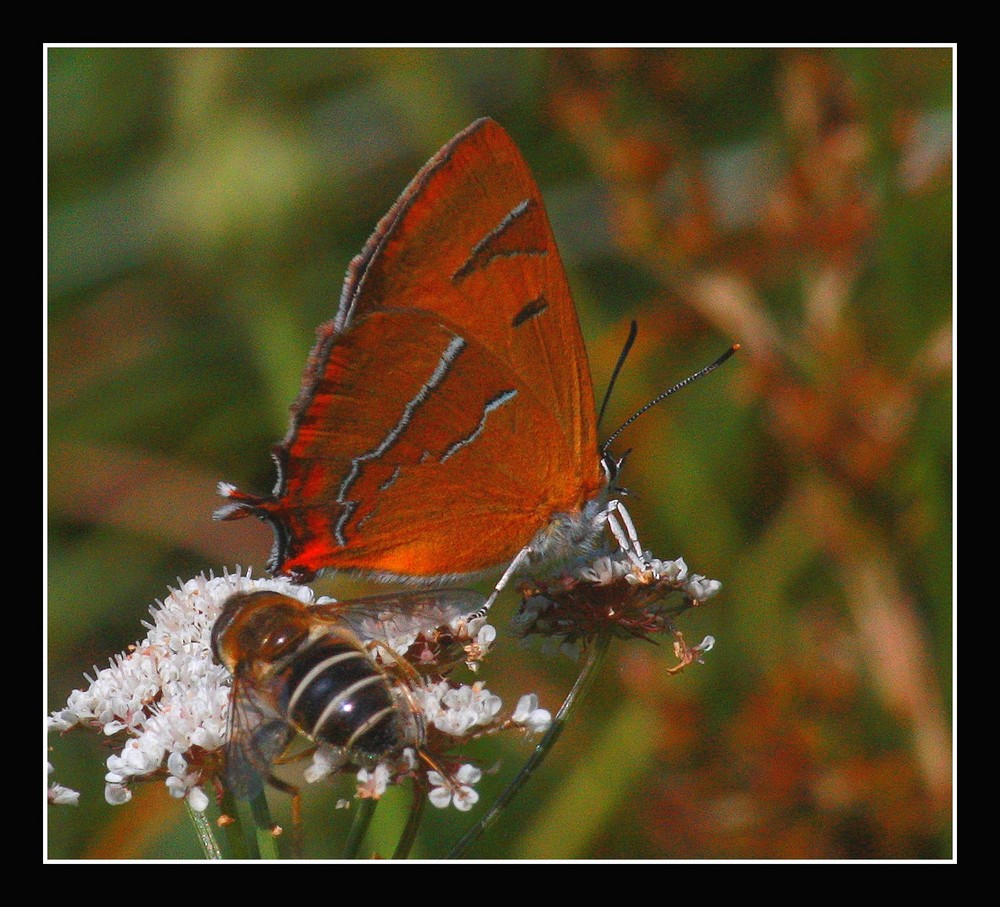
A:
(334, 693)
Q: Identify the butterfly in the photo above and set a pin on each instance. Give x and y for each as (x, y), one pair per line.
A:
(446, 421)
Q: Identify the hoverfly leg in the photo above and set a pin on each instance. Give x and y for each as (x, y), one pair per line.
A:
(288, 756)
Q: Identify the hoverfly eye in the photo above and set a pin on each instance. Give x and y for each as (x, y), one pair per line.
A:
(279, 640)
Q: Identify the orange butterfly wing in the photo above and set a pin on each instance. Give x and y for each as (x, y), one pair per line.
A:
(446, 413)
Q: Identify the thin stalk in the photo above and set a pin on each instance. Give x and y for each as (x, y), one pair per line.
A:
(359, 827)
(267, 841)
(235, 833)
(205, 831)
(594, 658)
(409, 835)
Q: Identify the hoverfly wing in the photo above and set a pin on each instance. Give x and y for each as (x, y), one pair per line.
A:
(255, 738)
(248, 766)
(397, 615)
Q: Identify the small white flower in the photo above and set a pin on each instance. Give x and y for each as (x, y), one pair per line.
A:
(116, 794)
(675, 571)
(63, 796)
(326, 760)
(62, 720)
(485, 637)
(701, 588)
(457, 790)
(373, 783)
(176, 787)
(60, 795)
(530, 715)
(197, 799)
(605, 569)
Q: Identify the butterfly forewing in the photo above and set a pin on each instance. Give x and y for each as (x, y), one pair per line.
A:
(392, 485)
(446, 413)
(470, 241)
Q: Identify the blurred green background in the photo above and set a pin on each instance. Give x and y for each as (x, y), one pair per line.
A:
(203, 205)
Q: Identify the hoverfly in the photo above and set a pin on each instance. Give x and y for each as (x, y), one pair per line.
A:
(327, 672)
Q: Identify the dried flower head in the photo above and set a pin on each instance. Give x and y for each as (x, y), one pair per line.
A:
(613, 594)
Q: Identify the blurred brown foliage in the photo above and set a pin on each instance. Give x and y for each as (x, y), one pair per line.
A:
(202, 206)
(842, 412)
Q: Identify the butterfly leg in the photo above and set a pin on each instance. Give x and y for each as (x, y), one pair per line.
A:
(519, 559)
(623, 529)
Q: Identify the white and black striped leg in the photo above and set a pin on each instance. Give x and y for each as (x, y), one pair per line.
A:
(623, 529)
(633, 535)
(512, 568)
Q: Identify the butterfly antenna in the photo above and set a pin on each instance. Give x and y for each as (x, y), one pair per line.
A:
(699, 374)
(633, 331)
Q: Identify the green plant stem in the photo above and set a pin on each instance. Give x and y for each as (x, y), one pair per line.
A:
(235, 832)
(359, 827)
(409, 834)
(267, 841)
(594, 658)
(206, 833)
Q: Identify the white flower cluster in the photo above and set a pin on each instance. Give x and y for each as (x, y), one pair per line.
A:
(459, 711)
(170, 699)
(607, 568)
(456, 711)
(399, 632)
(166, 692)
